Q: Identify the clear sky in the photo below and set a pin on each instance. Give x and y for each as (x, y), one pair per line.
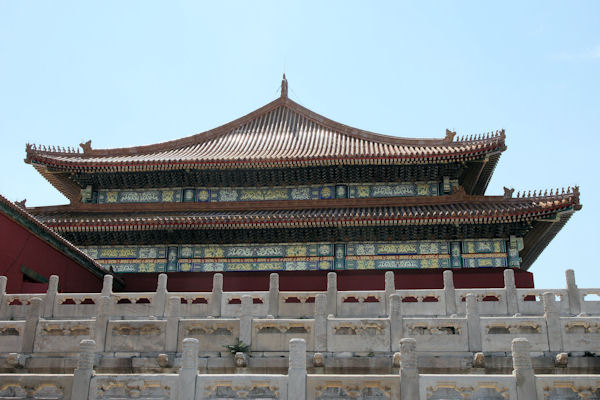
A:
(140, 72)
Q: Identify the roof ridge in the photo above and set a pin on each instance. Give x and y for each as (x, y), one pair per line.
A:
(282, 102)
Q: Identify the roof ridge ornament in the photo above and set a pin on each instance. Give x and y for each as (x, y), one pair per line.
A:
(508, 193)
(449, 136)
(284, 87)
(86, 147)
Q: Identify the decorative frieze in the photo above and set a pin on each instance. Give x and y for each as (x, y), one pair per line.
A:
(303, 256)
(308, 192)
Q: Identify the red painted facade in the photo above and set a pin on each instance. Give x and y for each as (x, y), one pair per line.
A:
(20, 247)
(317, 280)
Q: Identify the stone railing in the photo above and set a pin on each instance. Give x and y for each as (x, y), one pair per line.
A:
(441, 321)
(507, 301)
(165, 331)
(406, 383)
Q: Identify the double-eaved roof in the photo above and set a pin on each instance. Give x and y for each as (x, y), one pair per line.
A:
(281, 144)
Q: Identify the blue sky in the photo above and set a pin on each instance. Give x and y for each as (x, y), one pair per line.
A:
(138, 72)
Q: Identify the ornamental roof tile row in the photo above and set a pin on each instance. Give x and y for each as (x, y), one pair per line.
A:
(282, 133)
(458, 209)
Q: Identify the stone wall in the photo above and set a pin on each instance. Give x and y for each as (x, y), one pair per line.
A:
(84, 383)
(314, 345)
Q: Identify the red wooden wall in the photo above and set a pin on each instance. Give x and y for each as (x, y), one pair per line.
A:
(317, 280)
(19, 247)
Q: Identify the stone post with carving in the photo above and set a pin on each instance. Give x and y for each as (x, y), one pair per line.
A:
(246, 320)
(3, 282)
(409, 374)
(216, 296)
(160, 297)
(332, 293)
(573, 293)
(510, 291)
(189, 369)
(395, 315)
(84, 372)
(274, 295)
(321, 322)
(473, 323)
(449, 292)
(107, 285)
(553, 324)
(523, 369)
(173, 309)
(101, 324)
(297, 370)
(390, 289)
(33, 317)
(50, 297)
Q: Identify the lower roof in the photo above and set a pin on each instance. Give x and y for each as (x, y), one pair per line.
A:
(538, 218)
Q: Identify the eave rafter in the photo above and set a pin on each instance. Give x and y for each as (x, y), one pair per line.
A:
(458, 208)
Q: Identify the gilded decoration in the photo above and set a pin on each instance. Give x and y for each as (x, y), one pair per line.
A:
(571, 390)
(251, 390)
(426, 329)
(309, 192)
(353, 390)
(110, 388)
(453, 390)
(302, 256)
(17, 390)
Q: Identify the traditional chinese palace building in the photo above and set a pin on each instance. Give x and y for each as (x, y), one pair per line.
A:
(285, 189)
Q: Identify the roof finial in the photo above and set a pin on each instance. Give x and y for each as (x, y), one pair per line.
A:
(284, 87)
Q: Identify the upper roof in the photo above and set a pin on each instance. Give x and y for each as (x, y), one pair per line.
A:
(32, 224)
(280, 134)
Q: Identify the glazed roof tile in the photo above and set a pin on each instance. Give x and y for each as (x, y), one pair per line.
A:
(457, 208)
(282, 133)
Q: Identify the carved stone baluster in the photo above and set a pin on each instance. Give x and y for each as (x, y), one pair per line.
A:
(246, 320)
(409, 374)
(274, 295)
(510, 291)
(473, 323)
(50, 297)
(101, 324)
(573, 293)
(33, 317)
(449, 292)
(107, 285)
(297, 370)
(553, 324)
(216, 296)
(189, 369)
(321, 322)
(332, 293)
(160, 297)
(173, 311)
(84, 372)
(390, 289)
(3, 282)
(523, 369)
(396, 322)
